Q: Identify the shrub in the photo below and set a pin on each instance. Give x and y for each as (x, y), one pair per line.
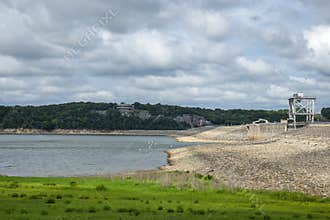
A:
(13, 185)
(49, 184)
(24, 211)
(9, 211)
(170, 210)
(50, 201)
(208, 177)
(179, 209)
(69, 209)
(101, 188)
(160, 208)
(326, 113)
(267, 217)
(296, 215)
(35, 197)
(91, 210)
(73, 183)
(309, 215)
(197, 212)
(14, 195)
(106, 208)
(199, 176)
(58, 197)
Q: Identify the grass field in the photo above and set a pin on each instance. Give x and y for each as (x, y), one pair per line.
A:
(101, 198)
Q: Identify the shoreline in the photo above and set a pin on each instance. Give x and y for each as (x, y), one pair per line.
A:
(296, 161)
(170, 133)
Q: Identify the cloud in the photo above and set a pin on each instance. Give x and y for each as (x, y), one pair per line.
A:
(95, 96)
(211, 53)
(10, 84)
(211, 23)
(257, 67)
(318, 45)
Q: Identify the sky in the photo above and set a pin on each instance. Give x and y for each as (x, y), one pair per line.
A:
(208, 53)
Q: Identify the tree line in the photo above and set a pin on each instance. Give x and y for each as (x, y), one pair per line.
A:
(105, 116)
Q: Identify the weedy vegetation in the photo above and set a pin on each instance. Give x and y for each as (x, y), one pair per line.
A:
(141, 198)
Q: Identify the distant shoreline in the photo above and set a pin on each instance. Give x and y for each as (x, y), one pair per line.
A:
(171, 133)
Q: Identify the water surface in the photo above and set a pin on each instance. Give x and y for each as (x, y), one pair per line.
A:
(75, 155)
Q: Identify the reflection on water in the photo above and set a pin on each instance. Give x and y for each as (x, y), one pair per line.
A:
(61, 155)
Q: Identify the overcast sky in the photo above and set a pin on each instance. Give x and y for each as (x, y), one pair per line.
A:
(208, 53)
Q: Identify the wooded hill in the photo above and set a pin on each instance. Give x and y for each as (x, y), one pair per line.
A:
(106, 116)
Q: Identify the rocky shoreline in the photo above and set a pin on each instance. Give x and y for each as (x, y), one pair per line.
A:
(295, 161)
(173, 133)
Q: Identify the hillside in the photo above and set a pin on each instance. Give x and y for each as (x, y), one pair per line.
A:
(112, 116)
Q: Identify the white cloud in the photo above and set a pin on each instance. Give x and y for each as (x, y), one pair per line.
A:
(257, 66)
(9, 65)
(279, 92)
(7, 84)
(303, 80)
(95, 96)
(212, 23)
(318, 44)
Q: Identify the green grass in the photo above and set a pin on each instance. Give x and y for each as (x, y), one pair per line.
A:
(100, 198)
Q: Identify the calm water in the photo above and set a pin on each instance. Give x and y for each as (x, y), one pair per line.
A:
(58, 155)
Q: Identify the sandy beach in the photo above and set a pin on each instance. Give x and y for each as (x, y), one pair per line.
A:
(297, 160)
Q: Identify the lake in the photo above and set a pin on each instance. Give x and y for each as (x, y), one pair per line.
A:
(78, 155)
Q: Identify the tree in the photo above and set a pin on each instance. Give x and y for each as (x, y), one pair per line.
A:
(326, 113)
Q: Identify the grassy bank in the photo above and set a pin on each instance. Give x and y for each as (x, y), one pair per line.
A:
(101, 198)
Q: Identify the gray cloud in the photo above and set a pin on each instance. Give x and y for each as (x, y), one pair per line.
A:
(213, 53)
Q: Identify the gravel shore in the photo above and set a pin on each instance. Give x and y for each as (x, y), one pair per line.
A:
(293, 161)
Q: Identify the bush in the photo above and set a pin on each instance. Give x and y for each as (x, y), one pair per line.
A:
(73, 184)
(91, 210)
(208, 177)
(50, 201)
(101, 188)
(69, 209)
(179, 209)
(267, 217)
(326, 113)
(13, 185)
(197, 212)
(43, 212)
(14, 195)
(24, 211)
(106, 208)
(35, 197)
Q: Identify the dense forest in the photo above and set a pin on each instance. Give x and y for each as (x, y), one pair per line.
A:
(105, 116)
(326, 113)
